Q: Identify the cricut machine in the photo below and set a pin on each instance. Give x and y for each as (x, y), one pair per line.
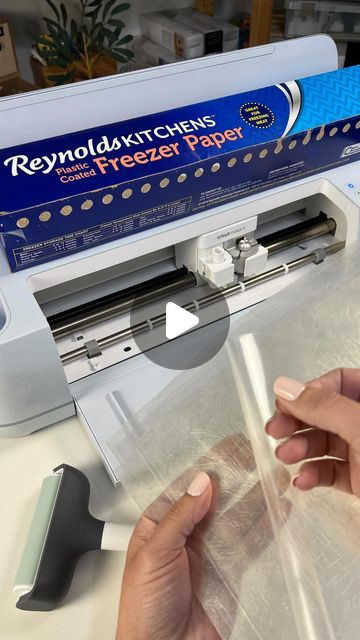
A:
(65, 339)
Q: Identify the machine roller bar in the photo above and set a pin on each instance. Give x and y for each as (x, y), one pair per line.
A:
(118, 303)
(110, 306)
(302, 232)
(283, 269)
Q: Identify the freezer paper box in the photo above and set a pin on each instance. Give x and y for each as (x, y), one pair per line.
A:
(67, 193)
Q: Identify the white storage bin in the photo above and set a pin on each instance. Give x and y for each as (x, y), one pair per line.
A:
(305, 18)
(219, 36)
(179, 38)
(156, 55)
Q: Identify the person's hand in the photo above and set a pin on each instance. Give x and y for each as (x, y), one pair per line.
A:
(158, 600)
(320, 419)
(167, 568)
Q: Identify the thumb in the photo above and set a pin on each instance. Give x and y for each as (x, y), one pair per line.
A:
(320, 407)
(172, 532)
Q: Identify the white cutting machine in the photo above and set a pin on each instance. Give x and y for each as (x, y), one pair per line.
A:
(64, 326)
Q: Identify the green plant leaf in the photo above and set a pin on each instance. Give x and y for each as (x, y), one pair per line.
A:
(93, 15)
(50, 55)
(49, 59)
(52, 23)
(95, 3)
(107, 8)
(54, 8)
(70, 75)
(65, 40)
(125, 52)
(126, 39)
(54, 35)
(58, 62)
(121, 7)
(64, 14)
(93, 11)
(68, 42)
(62, 78)
(58, 79)
(73, 29)
(62, 42)
(47, 43)
(108, 33)
(117, 23)
(97, 11)
(118, 56)
(118, 32)
(95, 34)
(59, 35)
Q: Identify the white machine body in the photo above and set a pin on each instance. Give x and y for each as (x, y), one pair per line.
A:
(220, 246)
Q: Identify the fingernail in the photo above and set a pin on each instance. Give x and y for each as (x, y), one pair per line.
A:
(277, 450)
(294, 480)
(287, 388)
(269, 423)
(199, 484)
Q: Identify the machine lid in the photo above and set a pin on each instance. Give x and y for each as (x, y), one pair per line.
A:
(61, 110)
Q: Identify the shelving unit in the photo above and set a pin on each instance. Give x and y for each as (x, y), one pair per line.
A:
(260, 25)
(267, 23)
(345, 37)
(261, 19)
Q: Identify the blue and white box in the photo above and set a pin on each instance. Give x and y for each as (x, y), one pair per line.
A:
(64, 194)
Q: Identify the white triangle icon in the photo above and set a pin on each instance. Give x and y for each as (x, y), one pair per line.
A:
(178, 320)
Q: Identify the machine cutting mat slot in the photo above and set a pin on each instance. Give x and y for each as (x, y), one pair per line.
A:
(85, 315)
(284, 269)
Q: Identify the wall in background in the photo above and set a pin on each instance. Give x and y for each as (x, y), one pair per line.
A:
(26, 22)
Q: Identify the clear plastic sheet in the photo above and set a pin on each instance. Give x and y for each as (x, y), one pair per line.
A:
(311, 329)
(279, 564)
(196, 424)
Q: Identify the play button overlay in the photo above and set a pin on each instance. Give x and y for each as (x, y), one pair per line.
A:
(178, 321)
(182, 331)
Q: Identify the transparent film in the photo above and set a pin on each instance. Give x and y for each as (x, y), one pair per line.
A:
(277, 563)
(309, 329)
